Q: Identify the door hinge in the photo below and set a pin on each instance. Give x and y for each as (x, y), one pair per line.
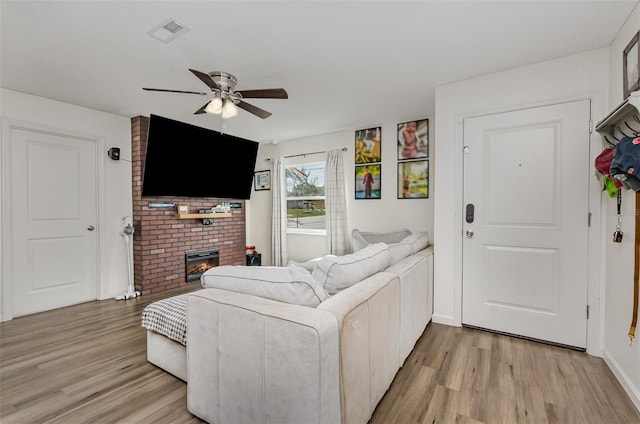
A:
(588, 310)
(589, 220)
(590, 126)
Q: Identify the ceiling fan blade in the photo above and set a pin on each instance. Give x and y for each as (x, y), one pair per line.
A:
(261, 113)
(201, 110)
(205, 78)
(267, 93)
(175, 91)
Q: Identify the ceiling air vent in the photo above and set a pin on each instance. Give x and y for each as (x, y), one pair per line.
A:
(168, 30)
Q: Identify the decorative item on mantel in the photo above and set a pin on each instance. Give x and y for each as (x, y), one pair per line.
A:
(224, 207)
(162, 205)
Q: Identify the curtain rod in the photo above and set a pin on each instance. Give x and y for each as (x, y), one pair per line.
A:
(344, 149)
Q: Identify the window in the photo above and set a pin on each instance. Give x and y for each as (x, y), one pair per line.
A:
(305, 198)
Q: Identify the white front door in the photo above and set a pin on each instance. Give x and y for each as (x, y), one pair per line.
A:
(52, 219)
(526, 173)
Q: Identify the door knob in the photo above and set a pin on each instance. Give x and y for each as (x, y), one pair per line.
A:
(469, 233)
(91, 228)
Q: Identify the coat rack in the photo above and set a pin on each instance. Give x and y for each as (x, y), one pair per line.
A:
(623, 121)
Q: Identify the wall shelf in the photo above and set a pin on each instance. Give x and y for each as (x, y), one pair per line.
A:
(623, 121)
(203, 215)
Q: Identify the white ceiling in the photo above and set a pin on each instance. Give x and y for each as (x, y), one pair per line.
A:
(345, 64)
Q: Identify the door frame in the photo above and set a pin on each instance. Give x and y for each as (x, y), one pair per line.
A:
(596, 261)
(6, 233)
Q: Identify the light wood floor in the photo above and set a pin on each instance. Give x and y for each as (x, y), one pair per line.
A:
(87, 364)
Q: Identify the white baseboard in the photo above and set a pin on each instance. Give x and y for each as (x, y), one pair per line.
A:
(623, 378)
(445, 319)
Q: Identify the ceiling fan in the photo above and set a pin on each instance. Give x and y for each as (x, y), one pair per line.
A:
(226, 99)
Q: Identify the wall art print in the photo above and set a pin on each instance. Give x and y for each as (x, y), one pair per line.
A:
(368, 145)
(631, 66)
(413, 139)
(367, 184)
(413, 179)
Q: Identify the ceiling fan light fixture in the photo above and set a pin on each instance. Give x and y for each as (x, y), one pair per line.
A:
(226, 100)
(214, 106)
(229, 110)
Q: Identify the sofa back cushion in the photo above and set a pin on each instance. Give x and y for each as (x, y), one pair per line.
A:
(285, 284)
(361, 239)
(336, 273)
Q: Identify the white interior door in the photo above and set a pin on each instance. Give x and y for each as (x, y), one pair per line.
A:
(525, 253)
(53, 217)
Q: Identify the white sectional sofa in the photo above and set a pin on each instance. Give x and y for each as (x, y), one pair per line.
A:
(258, 357)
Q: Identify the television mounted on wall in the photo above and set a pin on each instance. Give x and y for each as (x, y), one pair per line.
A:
(184, 160)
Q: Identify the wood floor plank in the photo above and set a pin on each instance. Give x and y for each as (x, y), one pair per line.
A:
(505, 380)
(87, 364)
(469, 399)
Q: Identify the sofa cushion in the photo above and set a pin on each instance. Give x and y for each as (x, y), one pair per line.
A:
(336, 273)
(285, 284)
(361, 239)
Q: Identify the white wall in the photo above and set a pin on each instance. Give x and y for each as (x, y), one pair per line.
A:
(623, 359)
(576, 77)
(387, 213)
(115, 131)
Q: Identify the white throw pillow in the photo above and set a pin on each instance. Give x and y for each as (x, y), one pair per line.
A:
(361, 239)
(285, 284)
(310, 264)
(418, 241)
(399, 251)
(336, 273)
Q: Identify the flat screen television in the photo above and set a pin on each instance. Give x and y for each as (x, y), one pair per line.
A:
(184, 160)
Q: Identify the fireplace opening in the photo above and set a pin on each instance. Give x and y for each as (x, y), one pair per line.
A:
(198, 261)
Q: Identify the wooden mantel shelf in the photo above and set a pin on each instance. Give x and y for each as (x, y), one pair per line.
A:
(203, 215)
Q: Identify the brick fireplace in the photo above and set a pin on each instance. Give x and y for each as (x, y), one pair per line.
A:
(161, 239)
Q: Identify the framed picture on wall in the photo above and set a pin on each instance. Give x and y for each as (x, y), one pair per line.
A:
(368, 145)
(631, 66)
(413, 179)
(413, 139)
(262, 180)
(367, 184)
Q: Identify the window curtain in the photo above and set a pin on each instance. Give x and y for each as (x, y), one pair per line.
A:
(279, 253)
(335, 204)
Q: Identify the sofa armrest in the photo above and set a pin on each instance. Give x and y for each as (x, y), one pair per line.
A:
(251, 359)
(369, 319)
